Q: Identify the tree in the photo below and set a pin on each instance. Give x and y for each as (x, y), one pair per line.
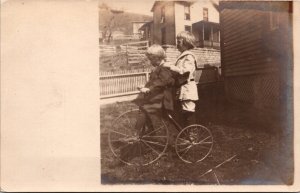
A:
(109, 21)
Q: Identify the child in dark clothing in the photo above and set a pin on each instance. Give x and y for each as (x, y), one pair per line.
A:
(158, 90)
(157, 97)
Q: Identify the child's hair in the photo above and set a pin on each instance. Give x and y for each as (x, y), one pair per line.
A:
(188, 39)
(156, 50)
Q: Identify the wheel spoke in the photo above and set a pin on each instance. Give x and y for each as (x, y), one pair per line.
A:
(205, 139)
(186, 151)
(210, 142)
(193, 153)
(147, 134)
(140, 145)
(120, 140)
(151, 147)
(157, 136)
(188, 141)
(152, 142)
(185, 140)
(183, 149)
(129, 122)
(120, 126)
(122, 146)
(126, 152)
(204, 147)
(119, 133)
(128, 129)
(134, 149)
(202, 132)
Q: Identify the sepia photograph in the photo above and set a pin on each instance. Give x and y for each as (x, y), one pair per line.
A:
(196, 92)
(147, 95)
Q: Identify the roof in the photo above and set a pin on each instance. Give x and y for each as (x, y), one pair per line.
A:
(262, 6)
(145, 25)
(164, 2)
(139, 21)
(199, 25)
(156, 3)
(206, 22)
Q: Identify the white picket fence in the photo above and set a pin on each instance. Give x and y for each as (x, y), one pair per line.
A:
(114, 84)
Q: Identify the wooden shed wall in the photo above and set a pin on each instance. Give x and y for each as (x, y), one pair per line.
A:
(252, 72)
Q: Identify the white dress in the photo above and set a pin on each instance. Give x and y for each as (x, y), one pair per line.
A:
(186, 62)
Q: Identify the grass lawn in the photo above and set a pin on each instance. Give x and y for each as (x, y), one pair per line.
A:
(256, 150)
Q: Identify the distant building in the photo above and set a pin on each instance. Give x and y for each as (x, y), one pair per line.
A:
(147, 30)
(198, 17)
(136, 25)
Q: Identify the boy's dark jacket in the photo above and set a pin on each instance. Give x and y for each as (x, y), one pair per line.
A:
(160, 83)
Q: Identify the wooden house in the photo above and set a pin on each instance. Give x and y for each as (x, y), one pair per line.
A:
(257, 57)
(136, 25)
(172, 17)
(147, 30)
(207, 34)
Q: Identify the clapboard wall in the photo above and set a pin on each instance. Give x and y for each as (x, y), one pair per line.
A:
(256, 53)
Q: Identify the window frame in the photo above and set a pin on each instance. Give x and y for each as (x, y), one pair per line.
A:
(188, 26)
(163, 15)
(187, 12)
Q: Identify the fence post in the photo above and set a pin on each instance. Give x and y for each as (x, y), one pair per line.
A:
(127, 54)
(147, 76)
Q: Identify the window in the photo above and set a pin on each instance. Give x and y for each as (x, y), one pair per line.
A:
(162, 20)
(205, 14)
(274, 20)
(187, 28)
(187, 12)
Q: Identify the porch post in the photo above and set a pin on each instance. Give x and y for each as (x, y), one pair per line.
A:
(212, 36)
(203, 34)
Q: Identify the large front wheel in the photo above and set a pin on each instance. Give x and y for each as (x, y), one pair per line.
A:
(138, 146)
(194, 143)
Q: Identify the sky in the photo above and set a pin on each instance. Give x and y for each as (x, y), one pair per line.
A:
(133, 6)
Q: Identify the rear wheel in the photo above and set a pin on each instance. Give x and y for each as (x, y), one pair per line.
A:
(140, 146)
(194, 143)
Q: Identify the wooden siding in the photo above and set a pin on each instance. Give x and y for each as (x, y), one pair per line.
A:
(256, 59)
(243, 50)
(168, 24)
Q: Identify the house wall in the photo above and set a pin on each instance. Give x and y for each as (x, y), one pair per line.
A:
(257, 64)
(174, 18)
(255, 59)
(169, 23)
(179, 18)
(151, 31)
(197, 11)
(197, 15)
